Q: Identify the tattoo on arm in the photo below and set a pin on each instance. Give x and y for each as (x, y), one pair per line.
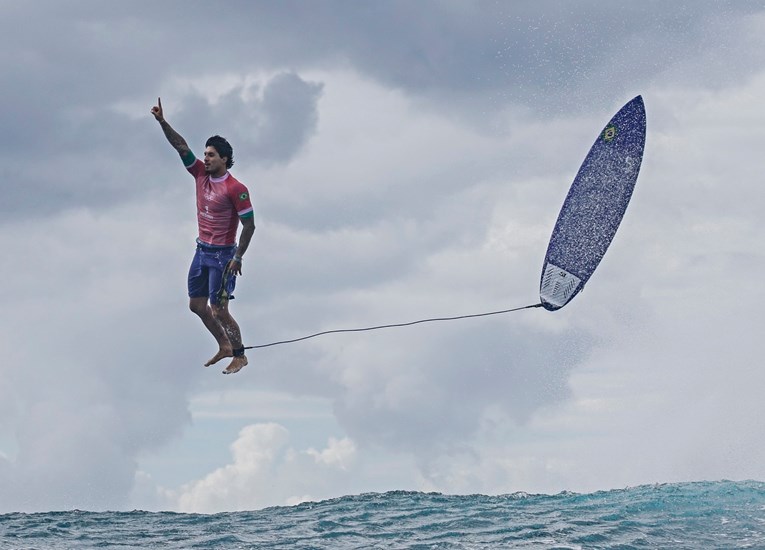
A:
(175, 139)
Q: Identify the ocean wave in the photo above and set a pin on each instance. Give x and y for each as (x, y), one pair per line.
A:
(721, 514)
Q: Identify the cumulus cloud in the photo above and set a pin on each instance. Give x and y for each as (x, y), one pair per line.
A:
(237, 485)
(339, 452)
(263, 471)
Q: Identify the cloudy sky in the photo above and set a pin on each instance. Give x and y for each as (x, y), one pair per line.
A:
(406, 160)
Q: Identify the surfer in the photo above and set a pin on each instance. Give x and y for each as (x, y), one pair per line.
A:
(222, 202)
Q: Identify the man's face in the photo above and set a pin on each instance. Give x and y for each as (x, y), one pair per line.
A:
(215, 165)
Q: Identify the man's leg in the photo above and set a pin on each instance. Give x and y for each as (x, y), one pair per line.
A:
(231, 328)
(205, 312)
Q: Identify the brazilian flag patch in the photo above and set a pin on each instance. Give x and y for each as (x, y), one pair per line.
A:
(243, 197)
(609, 133)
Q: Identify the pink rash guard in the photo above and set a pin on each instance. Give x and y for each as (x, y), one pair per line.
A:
(220, 204)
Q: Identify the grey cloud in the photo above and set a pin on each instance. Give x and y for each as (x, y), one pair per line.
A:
(269, 125)
(100, 160)
(64, 146)
(289, 117)
(556, 57)
(524, 48)
(87, 422)
(105, 376)
(96, 157)
(459, 373)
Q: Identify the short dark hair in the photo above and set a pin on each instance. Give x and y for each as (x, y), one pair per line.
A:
(223, 147)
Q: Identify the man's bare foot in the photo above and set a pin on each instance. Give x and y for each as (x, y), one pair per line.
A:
(222, 352)
(237, 363)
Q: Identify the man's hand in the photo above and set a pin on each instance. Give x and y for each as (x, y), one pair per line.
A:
(235, 267)
(157, 111)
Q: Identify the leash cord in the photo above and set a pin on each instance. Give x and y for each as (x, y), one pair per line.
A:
(378, 327)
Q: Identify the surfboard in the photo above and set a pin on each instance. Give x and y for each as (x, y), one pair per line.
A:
(594, 207)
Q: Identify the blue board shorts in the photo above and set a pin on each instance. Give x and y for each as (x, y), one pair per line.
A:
(206, 272)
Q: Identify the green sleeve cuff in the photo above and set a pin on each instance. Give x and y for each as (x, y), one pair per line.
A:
(188, 159)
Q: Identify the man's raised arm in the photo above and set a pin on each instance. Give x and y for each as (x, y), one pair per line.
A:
(175, 139)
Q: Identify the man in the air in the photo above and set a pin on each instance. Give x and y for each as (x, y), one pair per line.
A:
(222, 202)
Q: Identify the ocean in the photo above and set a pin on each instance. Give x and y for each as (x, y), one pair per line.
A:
(700, 515)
